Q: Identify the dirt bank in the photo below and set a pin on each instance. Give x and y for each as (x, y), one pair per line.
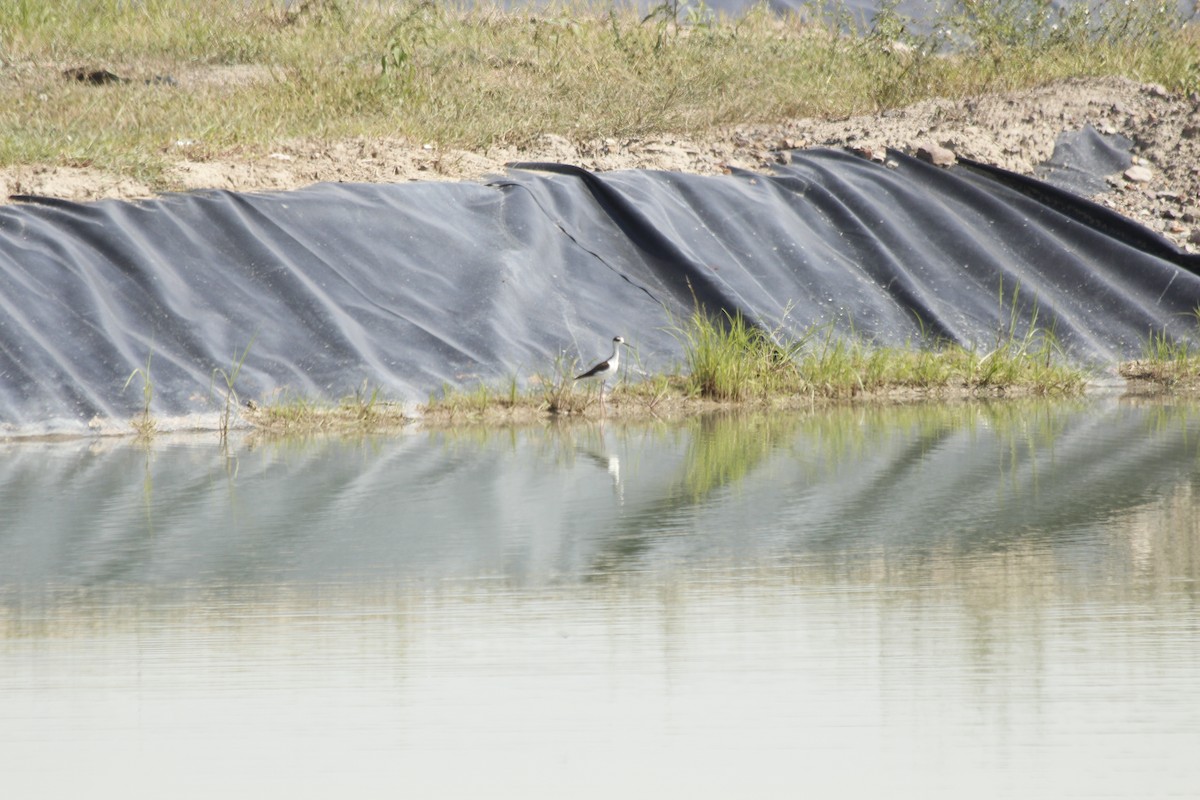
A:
(1016, 131)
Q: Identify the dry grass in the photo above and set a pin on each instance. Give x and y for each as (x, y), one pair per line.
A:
(245, 75)
(354, 413)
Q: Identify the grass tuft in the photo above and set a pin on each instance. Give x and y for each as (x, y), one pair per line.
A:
(229, 398)
(144, 425)
(1170, 363)
(732, 361)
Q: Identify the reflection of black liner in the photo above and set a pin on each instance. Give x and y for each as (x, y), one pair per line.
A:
(903, 486)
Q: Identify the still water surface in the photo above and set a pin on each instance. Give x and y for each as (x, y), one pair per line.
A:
(986, 600)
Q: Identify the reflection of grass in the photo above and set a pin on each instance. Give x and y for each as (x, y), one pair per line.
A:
(845, 432)
(725, 448)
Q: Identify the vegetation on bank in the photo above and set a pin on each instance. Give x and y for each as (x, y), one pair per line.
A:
(727, 362)
(729, 359)
(1166, 364)
(730, 363)
(211, 79)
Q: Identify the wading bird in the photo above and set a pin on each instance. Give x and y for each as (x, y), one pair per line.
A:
(604, 369)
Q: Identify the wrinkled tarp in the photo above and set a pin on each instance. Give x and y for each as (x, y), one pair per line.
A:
(407, 287)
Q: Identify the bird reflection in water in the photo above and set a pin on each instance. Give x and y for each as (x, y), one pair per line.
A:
(603, 457)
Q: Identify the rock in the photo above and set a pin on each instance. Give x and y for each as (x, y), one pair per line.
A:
(1139, 173)
(1194, 238)
(936, 154)
(877, 154)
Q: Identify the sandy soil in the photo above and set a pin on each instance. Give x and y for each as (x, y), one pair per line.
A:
(1016, 131)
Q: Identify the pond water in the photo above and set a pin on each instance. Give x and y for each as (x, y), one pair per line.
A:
(965, 600)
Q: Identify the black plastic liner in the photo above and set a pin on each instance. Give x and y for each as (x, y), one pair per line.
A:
(1083, 159)
(408, 287)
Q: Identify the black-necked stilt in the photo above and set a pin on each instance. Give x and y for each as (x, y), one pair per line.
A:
(605, 368)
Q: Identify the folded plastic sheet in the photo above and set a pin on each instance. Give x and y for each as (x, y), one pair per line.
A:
(1083, 159)
(408, 287)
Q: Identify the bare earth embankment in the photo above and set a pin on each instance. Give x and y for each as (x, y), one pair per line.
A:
(1015, 130)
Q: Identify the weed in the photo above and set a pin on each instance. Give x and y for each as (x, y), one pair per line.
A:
(556, 389)
(729, 359)
(145, 425)
(1166, 361)
(550, 392)
(229, 378)
(652, 393)
(462, 402)
(1163, 349)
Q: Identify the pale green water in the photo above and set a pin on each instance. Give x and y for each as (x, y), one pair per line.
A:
(981, 601)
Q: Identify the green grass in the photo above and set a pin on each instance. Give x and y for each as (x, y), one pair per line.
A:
(730, 360)
(252, 74)
(145, 424)
(227, 399)
(1166, 362)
